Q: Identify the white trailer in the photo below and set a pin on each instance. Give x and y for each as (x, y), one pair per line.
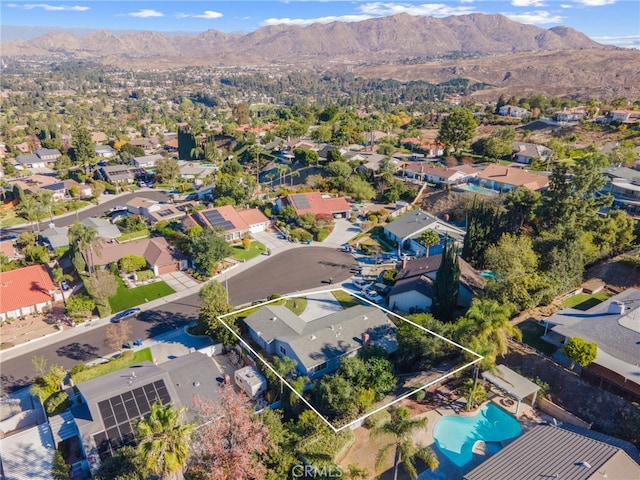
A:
(251, 381)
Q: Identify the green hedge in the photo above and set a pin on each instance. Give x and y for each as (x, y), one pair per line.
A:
(127, 237)
(322, 234)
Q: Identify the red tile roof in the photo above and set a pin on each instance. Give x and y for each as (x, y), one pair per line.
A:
(514, 176)
(317, 204)
(25, 287)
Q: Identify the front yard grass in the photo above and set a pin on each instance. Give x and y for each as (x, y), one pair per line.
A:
(127, 359)
(531, 333)
(584, 301)
(256, 249)
(345, 300)
(130, 297)
(297, 305)
(371, 240)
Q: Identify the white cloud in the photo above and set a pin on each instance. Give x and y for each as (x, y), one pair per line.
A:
(595, 3)
(425, 9)
(528, 3)
(626, 41)
(467, 1)
(209, 14)
(565, 5)
(50, 8)
(146, 13)
(304, 22)
(538, 17)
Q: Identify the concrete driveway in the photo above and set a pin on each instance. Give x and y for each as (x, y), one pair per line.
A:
(343, 231)
(320, 304)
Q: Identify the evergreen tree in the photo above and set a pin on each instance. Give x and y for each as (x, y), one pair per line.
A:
(446, 285)
(83, 147)
(485, 227)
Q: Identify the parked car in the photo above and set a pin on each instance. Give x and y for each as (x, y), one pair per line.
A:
(65, 286)
(360, 283)
(373, 296)
(142, 184)
(131, 312)
(118, 208)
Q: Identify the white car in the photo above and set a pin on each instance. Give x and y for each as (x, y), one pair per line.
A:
(360, 283)
(373, 296)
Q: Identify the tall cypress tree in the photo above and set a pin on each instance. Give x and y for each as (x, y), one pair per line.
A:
(446, 285)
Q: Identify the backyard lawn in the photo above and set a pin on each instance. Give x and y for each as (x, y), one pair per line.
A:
(130, 297)
(584, 301)
(256, 249)
(371, 241)
(531, 333)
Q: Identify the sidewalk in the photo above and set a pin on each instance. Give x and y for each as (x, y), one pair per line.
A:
(45, 337)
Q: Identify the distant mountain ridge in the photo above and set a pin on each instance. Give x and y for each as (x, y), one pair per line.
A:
(381, 39)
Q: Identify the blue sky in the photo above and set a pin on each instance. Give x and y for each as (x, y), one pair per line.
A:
(607, 21)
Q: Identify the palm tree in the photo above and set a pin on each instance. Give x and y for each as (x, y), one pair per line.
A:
(58, 277)
(45, 199)
(401, 427)
(485, 329)
(83, 237)
(163, 441)
(428, 239)
(282, 171)
(294, 173)
(31, 209)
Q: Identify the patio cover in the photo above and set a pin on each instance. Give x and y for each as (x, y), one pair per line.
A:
(513, 383)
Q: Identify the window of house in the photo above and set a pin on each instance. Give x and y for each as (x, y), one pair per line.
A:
(283, 350)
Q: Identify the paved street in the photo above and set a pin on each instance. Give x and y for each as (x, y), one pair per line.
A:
(298, 269)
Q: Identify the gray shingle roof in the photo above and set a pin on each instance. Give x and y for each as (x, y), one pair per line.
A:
(606, 329)
(551, 452)
(322, 339)
(410, 224)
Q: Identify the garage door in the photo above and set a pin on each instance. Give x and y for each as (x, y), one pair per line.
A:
(168, 268)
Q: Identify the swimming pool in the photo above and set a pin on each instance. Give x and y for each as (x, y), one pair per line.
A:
(455, 436)
(472, 187)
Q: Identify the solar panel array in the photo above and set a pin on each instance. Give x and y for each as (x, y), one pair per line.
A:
(217, 220)
(165, 212)
(120, 413)
(301, 201)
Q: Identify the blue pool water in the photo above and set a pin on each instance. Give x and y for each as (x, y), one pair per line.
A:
(475, 188)
(486, 274)
(455, 435)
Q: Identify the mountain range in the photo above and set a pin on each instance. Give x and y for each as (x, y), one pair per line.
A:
(511, 57)
(380, 39)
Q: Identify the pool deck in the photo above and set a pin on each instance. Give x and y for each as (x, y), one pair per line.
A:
(528, 417)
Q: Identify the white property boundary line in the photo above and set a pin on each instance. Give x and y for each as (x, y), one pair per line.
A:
(301, 397)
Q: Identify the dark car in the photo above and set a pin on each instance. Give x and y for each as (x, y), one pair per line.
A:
(131, 312)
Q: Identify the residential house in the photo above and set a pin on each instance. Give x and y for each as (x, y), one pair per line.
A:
(34, 183)
(25, 291)
(561, 452)
(502, 179)
(105, 151)
(319, 345)
(58, 191)
(371, 161)
(571, 115)
(316, 203)
(429, 148)
(58, 237)
(234, 224)
(406, 231)
(84, 190)
(614, 325)
(120, 174)
(147, 161)
(326, 148)
(513, 111)
(529, 152)
(147, 144)
(155, 211)
(413, 288)
(625, 116)
(27, 443)
(99, 137)
(430, 173)
(48, 155)
(8, 249)
(110, 405)
(30, 161)
(160, 256)
(624, 184)
(196, 171)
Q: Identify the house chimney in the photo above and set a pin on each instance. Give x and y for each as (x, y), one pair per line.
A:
(365, 339)
(404, 263)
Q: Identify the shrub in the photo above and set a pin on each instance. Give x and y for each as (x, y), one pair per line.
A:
(80, 367)
(322, 234)
(132, 263)
(378, 418)
(145, 275)
(420, 395)
(57, 403)
(246, 243)
(300, 235)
